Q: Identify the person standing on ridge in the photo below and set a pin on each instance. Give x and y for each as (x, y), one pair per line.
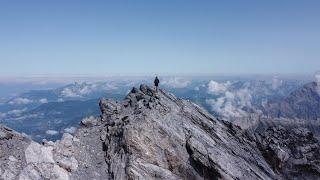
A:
(156, 83)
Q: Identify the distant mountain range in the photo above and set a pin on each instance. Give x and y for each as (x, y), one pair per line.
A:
(155, 135)
(303, 103)
(49, 113)
(46, 113)
(51, 120)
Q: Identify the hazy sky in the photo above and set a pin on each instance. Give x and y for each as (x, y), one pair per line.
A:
(159, 36)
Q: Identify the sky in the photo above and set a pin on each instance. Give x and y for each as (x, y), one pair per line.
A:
(102, 37)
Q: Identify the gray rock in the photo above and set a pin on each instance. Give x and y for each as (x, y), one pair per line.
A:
(154, 135)
(35, 153)
(23, 159)
(292, 153)
(12, 150)
(89, 121)
(162, 137)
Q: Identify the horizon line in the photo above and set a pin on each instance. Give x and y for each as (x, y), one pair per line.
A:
(147, 74)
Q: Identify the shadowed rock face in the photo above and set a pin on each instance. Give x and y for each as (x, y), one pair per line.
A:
(294, 153)
(153, 135)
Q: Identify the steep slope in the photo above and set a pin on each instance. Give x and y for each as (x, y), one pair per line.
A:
(303, 103)
(292, 153)
(154, 135)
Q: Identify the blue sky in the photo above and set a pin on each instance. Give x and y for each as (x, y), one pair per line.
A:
(159, 37)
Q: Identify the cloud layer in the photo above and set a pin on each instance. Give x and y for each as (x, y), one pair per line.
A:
(2, 115)
(317, 77)
(70, 130)
(84, 89)
(216, 88)
(52, 132)
(176, 82)
(229, 103)
(20, 101)
(43, 101)
(276, 82)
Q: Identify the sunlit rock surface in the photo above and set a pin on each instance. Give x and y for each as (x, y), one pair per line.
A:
(154, 135)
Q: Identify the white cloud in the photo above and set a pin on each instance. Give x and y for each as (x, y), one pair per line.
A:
(230, 102)
(244, 97)
(86, 90)
(80, 90)
(109, 86)
(60, 100)
(43, 101)
(16, 112)
(177, 82)
(20, 101)
(2, 115)
(70, 130)
(317, 77)
(226, 108)
(276, 82)
(216, 88)
(68, 92)
(52, 132)
(29, 116)
(202, 86)
(264, 103)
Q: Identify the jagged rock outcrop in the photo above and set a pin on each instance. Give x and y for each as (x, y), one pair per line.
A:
(23, 159)
(12, 148)
(292, 153)
(154, 135)
(158, 136)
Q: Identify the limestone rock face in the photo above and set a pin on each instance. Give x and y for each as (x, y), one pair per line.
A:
(12, 148)
(23, 159)
(158, 136)
(154, 135)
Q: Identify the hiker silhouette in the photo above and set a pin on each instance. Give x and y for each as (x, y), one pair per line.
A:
(156, 83)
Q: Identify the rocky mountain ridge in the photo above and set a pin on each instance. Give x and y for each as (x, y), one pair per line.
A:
(154, 135)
